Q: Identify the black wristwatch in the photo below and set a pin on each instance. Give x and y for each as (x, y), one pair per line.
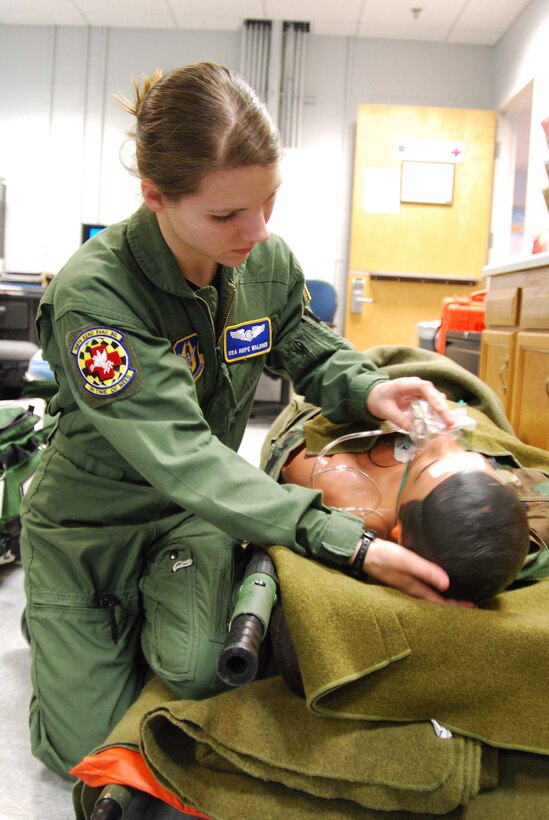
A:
(356, 568)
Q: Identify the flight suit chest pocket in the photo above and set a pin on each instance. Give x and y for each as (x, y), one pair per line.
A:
(244, 377)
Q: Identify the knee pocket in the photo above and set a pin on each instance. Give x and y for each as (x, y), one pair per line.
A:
(187, 597)
(83, 660)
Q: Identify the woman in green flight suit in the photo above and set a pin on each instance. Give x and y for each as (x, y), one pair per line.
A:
(157, 331)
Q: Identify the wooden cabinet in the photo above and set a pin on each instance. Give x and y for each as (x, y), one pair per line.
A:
(497, 363)
(515, 346)
(530, 399)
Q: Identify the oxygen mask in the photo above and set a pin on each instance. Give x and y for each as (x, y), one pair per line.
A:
(363, 494)
(426, 424)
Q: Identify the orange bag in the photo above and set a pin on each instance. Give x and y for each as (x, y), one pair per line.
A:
(126, 767)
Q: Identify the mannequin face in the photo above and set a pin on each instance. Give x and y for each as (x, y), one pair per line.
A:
(431, 466)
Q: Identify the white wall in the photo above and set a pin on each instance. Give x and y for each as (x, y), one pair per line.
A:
(345, 72)
(520, 57)
(60, 132)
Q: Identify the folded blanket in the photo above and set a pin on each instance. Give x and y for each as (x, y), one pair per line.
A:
(371, 653)
(262, 746)
(257, 752)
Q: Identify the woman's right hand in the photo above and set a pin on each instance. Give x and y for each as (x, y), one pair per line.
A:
(408, 572)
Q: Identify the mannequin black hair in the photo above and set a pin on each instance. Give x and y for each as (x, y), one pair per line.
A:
(473, 527)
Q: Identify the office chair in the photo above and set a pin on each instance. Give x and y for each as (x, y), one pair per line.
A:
(14, 359)
(323, 300)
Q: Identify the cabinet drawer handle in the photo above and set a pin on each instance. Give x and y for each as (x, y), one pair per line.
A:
(502, 380)
(3, 310)
(547, 385)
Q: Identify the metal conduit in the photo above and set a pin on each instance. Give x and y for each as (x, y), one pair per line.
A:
(255, 56)
(293, 82)
(273, 62)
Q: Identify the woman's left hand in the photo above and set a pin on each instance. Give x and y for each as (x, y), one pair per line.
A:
(391, 400)
(403, 569)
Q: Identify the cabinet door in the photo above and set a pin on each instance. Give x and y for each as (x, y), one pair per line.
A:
(530, 409)
(497, 360)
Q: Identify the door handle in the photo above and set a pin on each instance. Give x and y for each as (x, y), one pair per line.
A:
(502, 378)
(357, 299)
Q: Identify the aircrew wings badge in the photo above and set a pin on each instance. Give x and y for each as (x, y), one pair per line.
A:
(105, 362)
(248, 339)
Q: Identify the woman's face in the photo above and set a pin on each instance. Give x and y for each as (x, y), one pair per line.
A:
(442, 458)
(225, 218)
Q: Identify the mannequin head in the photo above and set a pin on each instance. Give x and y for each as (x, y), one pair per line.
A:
(453, 511)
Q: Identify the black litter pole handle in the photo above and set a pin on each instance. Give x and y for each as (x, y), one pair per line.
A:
(238, 661)
(107, 809)
(112, 803)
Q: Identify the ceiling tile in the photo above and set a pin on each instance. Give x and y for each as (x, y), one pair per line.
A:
(209, 23)
(130, 19)
(482, 22)
(388, 32)
(491, 15)
(214, 8)
(433, 13)
(307, 10)
(36, 5)
(43, 17)
(122, 6)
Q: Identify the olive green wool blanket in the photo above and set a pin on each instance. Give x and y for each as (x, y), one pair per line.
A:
(384, 676)
(378, 667)
(492, 436)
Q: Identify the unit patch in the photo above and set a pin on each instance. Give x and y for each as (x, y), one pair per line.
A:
(189, 348)
(105, 361)
(248, 339)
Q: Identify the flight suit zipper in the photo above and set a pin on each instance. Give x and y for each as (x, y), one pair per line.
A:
(110, 602)
(217, 339)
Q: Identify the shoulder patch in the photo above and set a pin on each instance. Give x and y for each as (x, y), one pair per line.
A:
(248, 339)
(189, 348)
(105, 363)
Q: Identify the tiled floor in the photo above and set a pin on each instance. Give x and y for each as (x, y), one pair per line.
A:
(28, 791)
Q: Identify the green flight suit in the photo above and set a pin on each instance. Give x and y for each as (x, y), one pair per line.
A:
(131, 522)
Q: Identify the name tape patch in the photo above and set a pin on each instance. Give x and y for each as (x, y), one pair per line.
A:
(248, 339)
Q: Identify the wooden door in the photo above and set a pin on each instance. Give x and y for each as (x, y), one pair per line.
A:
(496, 364)
(407, 261)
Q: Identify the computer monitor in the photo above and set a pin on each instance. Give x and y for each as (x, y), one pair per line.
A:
(89, 230)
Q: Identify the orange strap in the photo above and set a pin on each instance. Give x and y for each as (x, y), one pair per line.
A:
(126, 767)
